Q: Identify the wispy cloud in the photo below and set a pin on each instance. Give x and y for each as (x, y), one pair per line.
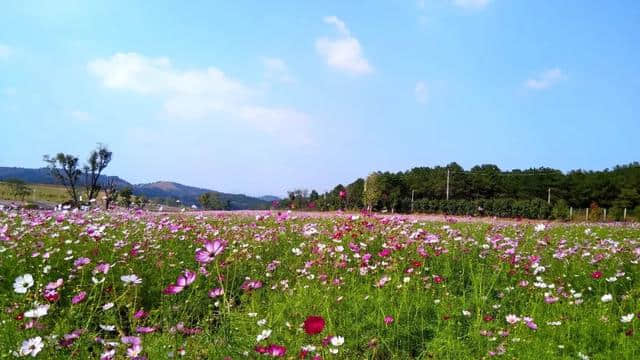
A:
(421, 92)
(344, 51)
(198, 94)
(5, 52)
(471, 4)
(275, 69)
(545, 79)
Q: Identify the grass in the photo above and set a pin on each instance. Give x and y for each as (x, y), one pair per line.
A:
(447, 286)
(54, 194)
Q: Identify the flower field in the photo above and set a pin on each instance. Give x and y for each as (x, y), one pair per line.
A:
(125, 284)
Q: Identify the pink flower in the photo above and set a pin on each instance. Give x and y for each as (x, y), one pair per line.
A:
(210, 251)
(140, 314)
(214, 293)
(184, 280)
(145, 329)
(388, 320)
(80, 262)
(101, 268)
(251, 285)
(276, 350)
(79, 297)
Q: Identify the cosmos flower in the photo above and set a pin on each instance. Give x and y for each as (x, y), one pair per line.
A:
(337, 340)
(388, 320)
(31, 347)
(131, 279)
(313, 325)
(627, 318)
(22, 284)
(210, 251)
(38, 312)
(263, 335)
(79, 297)
(214, 293)
(606, 298)
(185, 279)
(512, 319)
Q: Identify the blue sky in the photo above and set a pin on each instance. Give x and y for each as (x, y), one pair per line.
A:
(260, 97)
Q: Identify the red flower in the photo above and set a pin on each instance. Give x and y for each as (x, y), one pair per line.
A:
(596, 274)
(313, 325)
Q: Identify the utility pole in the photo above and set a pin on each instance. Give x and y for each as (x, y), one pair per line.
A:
(448, 184)
(549, 197)
(412, 192)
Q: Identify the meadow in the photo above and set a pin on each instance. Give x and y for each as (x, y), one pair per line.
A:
(134, 284)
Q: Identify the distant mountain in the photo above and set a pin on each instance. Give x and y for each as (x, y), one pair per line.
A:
(158, 191)
(188, 195)
(43, 176)
(269, 198)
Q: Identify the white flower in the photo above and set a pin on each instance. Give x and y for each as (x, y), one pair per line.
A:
(627, 318)
(131, 279)
(296, 251)
(512, 319)
(262, 322)
(23, 283)
(337, 340)
(264, 335)
(31, 346)
(107, 306)
(39, 311)
(108, 327)
(606, 298)
(539, 227)
(252, 314)
(466, 313)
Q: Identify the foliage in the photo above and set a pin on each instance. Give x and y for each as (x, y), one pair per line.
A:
(64, 168)
(18, 188)
(210, 201)
(98, 160)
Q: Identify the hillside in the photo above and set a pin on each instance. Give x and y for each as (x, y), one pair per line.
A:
(160, 191)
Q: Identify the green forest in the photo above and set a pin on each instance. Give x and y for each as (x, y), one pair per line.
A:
(540, 193)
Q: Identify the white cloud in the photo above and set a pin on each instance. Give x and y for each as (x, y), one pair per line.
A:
(344, 52)
(471, 4)
(81, 116)
(5, 52)
(421, 92)
(276, 69)
(196, 94)
(545, 80)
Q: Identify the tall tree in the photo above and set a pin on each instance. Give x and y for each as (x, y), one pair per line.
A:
(98, 160)
(64, 168)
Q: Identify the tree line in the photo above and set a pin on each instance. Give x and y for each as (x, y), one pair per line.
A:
(483, 190)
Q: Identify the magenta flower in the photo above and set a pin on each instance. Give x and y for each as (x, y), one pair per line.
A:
(101, 268)
(251, 285)
(140, 314)
(80, 262)
(145, 329)
(210, 251)
(184, 280)
(388, 320)
(214, 293)
(79, 297)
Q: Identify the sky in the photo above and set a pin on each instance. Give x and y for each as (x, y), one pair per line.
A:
(261, 97)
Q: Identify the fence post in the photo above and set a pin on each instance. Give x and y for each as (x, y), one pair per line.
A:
(586, 216)
(571, 213)
(605, 214)
(624, 216)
